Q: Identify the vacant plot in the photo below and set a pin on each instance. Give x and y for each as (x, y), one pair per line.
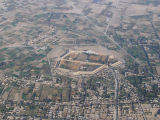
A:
(54, 94)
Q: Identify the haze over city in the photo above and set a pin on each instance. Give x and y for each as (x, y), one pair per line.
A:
(80, 60)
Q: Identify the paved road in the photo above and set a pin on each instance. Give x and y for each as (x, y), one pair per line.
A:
(116, 93)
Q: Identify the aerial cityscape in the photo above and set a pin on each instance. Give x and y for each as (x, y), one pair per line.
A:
(80, 60)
